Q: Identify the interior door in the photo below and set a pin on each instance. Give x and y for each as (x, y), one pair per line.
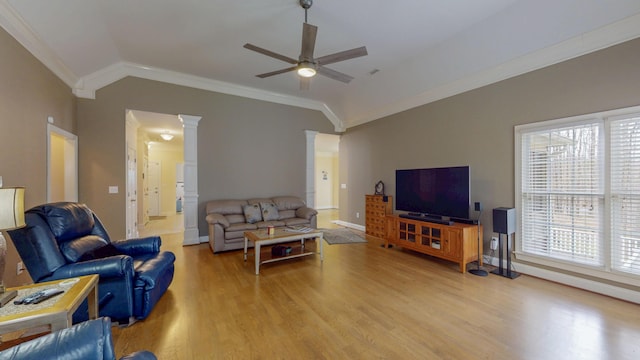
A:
(154, 188)
(145, 190)
(132, 193)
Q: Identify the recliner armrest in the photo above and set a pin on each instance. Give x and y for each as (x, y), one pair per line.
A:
(306, 212)
(139, 246)
(113, 266)
(214, 218)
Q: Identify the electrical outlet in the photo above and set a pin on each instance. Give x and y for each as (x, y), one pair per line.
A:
(358, 215)
(19, 268)
(494, 242)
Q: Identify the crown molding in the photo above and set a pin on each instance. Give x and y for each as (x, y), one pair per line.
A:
(604, 37)
(15, 25)
(87, 86)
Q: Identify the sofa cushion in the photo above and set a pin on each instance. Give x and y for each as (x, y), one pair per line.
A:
(226, 207)
(269, 211)
(296, 221)
(288, 202)
(266, 224)
(241, 227)
(73, 250)
(252, 213)
(236, 219)
(68, 220)
(287, 214)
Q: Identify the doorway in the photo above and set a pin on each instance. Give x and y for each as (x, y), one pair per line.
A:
(159, 143)
(62, 165)
(326, 155)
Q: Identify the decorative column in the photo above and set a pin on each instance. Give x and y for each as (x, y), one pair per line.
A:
(190, 200)
(310, 191)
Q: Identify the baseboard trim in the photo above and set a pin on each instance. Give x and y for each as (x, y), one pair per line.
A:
(574, 281)
(349, 225)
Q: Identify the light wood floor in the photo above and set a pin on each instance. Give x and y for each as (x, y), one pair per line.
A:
(366, 302)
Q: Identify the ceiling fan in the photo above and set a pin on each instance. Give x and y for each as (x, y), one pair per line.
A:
(307, 66)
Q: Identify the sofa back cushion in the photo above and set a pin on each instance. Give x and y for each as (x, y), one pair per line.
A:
(288, 202)
(226, 207)
(68, 220)
(287, 206)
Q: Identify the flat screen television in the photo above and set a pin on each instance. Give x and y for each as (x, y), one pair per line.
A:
(434, 192)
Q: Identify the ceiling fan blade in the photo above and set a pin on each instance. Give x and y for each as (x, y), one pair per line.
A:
(282, 71)
(342, 55)
(336, 75)
(270, 53)
(309, 33)
(304, 83)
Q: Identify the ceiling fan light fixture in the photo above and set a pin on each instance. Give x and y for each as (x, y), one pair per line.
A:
(306, 69)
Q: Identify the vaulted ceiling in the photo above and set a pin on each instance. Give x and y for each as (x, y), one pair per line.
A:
(418, 50)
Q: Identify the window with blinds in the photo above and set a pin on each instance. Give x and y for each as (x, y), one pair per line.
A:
(578, 191)
(563, 193)
(625, 194)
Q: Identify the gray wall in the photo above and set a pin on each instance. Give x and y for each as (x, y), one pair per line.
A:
(246, 148)
(476, 128)
(29, 93)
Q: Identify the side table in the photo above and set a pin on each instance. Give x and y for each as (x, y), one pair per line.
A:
(52, 314)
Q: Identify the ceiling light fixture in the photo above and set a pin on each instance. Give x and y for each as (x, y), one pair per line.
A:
(166, 136)
(306, 69)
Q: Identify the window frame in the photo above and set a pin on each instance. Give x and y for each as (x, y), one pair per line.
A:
(603, 272)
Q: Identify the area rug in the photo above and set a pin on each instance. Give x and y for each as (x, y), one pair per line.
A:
(341, 236)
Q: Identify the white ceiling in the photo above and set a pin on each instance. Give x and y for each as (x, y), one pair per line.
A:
(424, 50)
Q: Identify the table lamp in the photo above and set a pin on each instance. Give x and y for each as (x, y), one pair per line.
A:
(11, 217)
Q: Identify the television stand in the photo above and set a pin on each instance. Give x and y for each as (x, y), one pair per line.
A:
(455, 242)
(428, 218)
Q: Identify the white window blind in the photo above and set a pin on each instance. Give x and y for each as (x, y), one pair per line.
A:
(562, 193)
(625, 194)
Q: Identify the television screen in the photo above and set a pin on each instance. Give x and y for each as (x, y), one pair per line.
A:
(435, 191)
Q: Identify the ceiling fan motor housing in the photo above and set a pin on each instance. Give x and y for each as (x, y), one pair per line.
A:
(306, 4)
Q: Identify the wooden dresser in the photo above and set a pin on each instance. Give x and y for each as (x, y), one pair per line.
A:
(377, 207)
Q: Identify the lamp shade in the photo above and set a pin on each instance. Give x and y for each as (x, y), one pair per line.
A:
(11, 208)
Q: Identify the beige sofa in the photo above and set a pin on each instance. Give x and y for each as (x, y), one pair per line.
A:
(229, 219)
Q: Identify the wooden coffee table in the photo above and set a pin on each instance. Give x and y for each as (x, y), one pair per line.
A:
(52, 314)
(261, 238)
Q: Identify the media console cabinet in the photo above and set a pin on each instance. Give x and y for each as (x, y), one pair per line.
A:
(457, 242)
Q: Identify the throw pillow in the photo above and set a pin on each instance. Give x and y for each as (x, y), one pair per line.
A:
(252, 213)
(269, 211)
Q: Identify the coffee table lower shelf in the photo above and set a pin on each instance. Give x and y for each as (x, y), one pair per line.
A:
(261, 238)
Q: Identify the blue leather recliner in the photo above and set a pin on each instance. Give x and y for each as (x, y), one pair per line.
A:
(66, 239)
(90, 340)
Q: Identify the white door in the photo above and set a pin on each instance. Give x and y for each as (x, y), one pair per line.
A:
(132, 193)
(62, 165)
(154, 188)
(145, 189)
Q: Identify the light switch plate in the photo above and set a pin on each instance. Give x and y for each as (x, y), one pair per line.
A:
(113, 189)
